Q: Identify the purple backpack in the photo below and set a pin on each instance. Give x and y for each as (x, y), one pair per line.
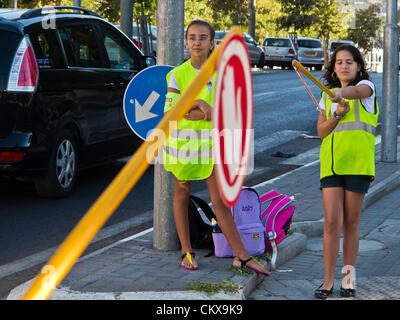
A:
(276, 220)
(246, 214)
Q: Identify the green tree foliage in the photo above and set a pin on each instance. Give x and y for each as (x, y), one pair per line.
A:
(297, 15)
(367, 25)
(224, 18)
(237, 10)
(331, 20)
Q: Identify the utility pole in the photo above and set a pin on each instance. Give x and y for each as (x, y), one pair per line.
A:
(170, 39)
(14, 4)
(77, 3)
(126, 17)
(390, 86)
(252, 18)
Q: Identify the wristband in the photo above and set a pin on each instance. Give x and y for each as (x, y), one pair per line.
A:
(337, 116)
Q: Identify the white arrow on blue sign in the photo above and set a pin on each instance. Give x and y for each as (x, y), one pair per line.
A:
(144, 99)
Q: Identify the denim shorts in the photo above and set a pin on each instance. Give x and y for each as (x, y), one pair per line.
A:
(354, 183)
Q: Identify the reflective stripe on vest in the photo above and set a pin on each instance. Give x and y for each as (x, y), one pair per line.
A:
(188, 153)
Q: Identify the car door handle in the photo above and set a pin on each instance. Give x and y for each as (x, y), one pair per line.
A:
(109, 85)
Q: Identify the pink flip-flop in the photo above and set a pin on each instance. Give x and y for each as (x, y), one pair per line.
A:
(189, 255)
(244, 264)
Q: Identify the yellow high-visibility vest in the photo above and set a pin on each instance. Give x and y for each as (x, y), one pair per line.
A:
(187, 153)
(350, 148)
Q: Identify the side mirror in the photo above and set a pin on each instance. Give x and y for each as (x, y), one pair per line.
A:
(150, 61)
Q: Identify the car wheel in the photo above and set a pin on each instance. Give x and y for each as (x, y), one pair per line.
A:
(261, 62)
(318, 67)
(61, 174)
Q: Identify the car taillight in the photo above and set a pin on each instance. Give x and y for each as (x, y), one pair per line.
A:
(139, 45)
(291, 51)
(11, 156)
(264, 49)
(24, 69)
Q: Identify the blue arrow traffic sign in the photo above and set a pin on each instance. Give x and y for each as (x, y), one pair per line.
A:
(144, 99)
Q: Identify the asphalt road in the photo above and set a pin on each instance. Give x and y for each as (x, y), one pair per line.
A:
(31, 228)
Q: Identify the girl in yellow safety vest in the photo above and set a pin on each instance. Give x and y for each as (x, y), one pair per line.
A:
(188, 151)
(346, 126)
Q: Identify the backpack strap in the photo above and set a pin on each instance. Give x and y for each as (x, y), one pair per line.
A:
(270, 195)
(204, 207)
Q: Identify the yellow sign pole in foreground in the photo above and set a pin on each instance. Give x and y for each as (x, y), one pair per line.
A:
(73, 246)
(299, 66)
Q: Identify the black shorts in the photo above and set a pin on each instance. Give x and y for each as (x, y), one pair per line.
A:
(358, 184)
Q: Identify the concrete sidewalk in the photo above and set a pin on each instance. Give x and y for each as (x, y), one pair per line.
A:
(132, 269)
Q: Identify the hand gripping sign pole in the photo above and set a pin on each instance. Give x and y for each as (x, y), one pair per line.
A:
(298, 66)
(76, 242)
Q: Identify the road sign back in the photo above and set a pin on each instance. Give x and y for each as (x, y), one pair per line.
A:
(232, 118)
(144, 99)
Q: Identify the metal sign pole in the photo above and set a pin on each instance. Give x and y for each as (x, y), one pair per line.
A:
(390, 87)
(170, 38)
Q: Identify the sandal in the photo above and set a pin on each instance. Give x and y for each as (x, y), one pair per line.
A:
(189, 255)
(243, 263)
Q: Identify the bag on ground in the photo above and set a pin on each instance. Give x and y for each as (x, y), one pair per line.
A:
(246, 214)
(200, 229)
(276, 219)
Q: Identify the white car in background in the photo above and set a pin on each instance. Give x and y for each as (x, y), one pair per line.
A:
(279, 51)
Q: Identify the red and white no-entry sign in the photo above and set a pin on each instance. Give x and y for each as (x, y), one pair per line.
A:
(232, 118)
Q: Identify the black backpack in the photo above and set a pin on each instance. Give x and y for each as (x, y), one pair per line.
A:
(200, 231)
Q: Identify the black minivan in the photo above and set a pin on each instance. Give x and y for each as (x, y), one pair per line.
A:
(63, 74)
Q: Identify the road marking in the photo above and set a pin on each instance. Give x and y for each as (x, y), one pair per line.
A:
(269, 93)
(275, 139)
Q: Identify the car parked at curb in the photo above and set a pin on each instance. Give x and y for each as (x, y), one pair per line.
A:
(256, 53)
(310, 52)
(334, 44)
(62, 85)
(279, 51)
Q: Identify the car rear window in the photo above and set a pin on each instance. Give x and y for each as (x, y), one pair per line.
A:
(277, 43)
(220, 35)
(335, 45)
(7, 52)
(80, 46)
(307, 43)
(47, 49)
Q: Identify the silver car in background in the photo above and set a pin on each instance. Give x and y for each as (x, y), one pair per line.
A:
(256, 53)
(279, 51)
(310, 52)
(334, 44)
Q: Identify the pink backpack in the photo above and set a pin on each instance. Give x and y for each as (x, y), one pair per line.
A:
(276, 220)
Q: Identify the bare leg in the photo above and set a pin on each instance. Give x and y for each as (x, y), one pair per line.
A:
(333, 199)
(351, 228)
(180, 206)
(228, 226)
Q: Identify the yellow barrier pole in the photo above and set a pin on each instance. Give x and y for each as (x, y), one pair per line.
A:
(299, 66)
(76, 242)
